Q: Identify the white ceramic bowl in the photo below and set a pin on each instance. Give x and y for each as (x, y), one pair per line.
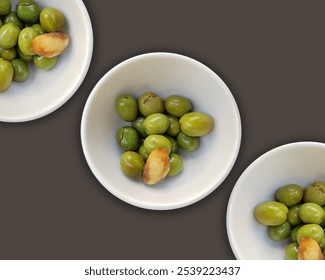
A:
(301, 163)
(164, 74)
(45, 91)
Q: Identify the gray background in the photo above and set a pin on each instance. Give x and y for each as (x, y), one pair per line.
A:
(269, 53)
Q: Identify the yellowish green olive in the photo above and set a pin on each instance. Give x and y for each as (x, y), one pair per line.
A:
(5, 7)
(150, 103)
(174, 143)
(25, 57)
(310, 230)
(293, 233)
(176, 165)
(271, 213)
(12, 17)
(174, 127)
(45, 63)
(293, 215)
(315, 193)
(322, 243)
(8, 54)
(177, 105)
(128, 138)
(311, 213)
(25, 39)
(132, 164)
(143, 152)
(155, 141)
(21, 71)
(156, 123)
(6, 74)
(9, 33)
(196, 124)
(279, 232)
(291, 251)
(137, 125)
(38, 28)
(289, 194)
(27, 11)
(52, 20)
(126, 107)
(188, 143)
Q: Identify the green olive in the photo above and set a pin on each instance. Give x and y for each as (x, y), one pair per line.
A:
(176, 165)
(6, 74)
(38, 28)
(152, 142)
(315, 193)
(293, 215)
(25, 39)
(8, 54)
(322, 224)
(188, 143)
(173, 142)
(143, 152)
(150, 103)
(271, 213)
(128, 138)
(137, 125)
(132, 164)
(21, 71)
(9, 33)
(25, 57)
(290, 194)
(27, 11)
(174, 127)
(196, 124)
(177, 105)
(291, 251)
(322, 243)
(12, 17)
(52, 20)
(126, 107)
(45, 63)
(156, 123)
(310, 230)
(279, 232)
(5, 7)
(311, 213)
(293, 233)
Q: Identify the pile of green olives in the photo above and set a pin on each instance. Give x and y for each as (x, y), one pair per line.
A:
(18, 28)
(154, 122)
(296, 212)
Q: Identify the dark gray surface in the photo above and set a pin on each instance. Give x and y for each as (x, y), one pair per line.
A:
(269, 53)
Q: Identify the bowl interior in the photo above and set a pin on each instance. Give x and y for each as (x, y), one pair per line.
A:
(301, 163)
(165, 74)
(45, 91)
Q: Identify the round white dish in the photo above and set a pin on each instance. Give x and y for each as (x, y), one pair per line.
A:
(164, 74)
(46, 91)
(297, 163)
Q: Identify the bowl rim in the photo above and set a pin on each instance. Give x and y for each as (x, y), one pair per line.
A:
(135, 202)
(44, 111)
(247, 172)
